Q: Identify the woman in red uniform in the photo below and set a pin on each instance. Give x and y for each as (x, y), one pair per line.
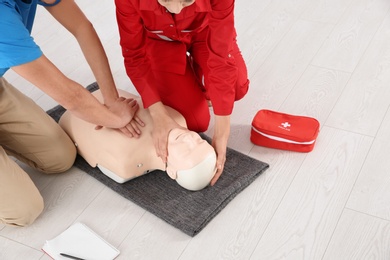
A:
(182, 53)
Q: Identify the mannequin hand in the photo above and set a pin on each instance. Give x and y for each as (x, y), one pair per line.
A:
(220, 140)
(163, 123)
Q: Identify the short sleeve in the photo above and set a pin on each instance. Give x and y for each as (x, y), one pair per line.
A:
(46, 4)
(16, 44)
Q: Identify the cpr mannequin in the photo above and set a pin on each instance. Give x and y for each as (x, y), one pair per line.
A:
(191, 160)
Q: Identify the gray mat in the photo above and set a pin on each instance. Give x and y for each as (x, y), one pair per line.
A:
(186, 210)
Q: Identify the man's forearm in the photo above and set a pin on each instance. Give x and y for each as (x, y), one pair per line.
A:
(73, 19)
(71, 95)
(98, 62)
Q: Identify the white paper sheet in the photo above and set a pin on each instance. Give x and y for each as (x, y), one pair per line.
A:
(80, 241)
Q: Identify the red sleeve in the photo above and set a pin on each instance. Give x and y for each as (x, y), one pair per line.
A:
(223, 71)
(132, 41)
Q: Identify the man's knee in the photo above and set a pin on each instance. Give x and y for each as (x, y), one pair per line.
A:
(23, 213)
(61, 155)
(61, 160)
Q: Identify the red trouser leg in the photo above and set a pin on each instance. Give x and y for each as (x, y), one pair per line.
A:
(183, 93)
(199, 54)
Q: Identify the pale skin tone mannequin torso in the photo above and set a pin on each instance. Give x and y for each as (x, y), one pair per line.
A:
(107, 145)
(164, 123)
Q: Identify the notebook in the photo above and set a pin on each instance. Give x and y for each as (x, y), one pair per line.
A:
(79, 242)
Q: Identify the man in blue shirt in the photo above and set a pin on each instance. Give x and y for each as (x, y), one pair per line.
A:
(26, 131)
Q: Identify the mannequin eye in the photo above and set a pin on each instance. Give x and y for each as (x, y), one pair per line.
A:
(180, 136)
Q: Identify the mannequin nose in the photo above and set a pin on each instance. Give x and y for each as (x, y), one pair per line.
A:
(190, 141)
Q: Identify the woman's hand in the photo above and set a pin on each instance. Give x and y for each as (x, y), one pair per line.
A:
(220, 140)
(163, 123)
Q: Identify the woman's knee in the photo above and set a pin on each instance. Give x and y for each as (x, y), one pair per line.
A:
(198, 123)
(241, 89)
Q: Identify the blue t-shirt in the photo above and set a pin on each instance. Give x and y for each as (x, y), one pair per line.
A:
(16, 44)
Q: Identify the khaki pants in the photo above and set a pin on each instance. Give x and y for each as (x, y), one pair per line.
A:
(30, 135)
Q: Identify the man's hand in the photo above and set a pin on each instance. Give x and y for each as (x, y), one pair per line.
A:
(220, 140)
(163, 123)
(133, 129)
(126, 109)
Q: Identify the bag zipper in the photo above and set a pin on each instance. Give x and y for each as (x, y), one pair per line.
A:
(281, 139)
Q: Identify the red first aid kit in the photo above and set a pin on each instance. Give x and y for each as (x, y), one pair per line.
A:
(283, 131)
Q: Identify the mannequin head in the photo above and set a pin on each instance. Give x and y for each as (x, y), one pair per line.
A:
(191, 160)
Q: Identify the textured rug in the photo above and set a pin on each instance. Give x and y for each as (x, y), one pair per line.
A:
(186, 210)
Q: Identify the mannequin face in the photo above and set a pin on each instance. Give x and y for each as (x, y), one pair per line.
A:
(191, 160)
(187, 144)
(175, 6)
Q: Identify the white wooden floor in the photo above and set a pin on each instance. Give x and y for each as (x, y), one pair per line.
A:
(329, 59)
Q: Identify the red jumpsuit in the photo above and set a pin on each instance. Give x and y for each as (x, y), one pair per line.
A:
(176, 58)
